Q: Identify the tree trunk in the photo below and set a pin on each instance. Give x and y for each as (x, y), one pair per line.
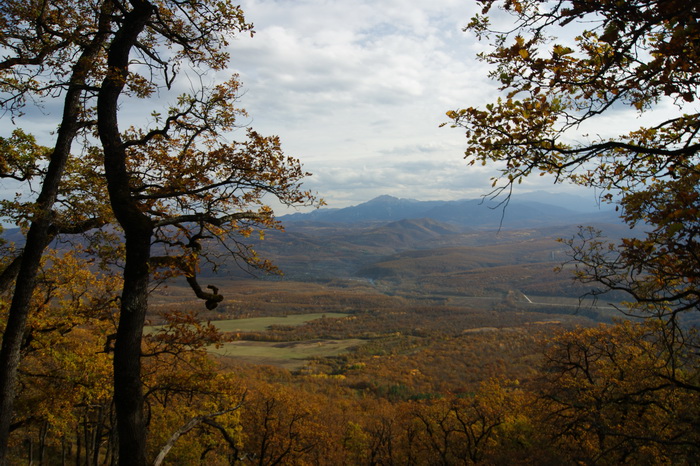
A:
(30, 452)
(78, 445)
(128, 393)
(43, 433)
(37, 240)
(98, 433)
(191, 424)
(138, 229)
(63, 449)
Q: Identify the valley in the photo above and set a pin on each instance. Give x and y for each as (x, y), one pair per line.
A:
(394, 283)
(394, 341)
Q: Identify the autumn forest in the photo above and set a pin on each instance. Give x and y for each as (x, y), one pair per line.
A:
(154, 310)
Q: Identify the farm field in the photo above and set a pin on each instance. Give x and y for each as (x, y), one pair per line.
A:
(260, 324)
(287, 355)
(290, 355)
(394, 301)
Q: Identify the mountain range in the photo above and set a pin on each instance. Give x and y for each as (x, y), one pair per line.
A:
(370, 239)
(530, 210)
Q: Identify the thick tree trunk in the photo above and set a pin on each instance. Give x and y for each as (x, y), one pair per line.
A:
(138, 229)
(38, 238)
(128, 394)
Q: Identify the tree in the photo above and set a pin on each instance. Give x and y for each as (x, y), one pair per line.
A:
(49, 51)
(193, 405)
(281, 428)
(65, 390)
(174, 182)
(180, 183)
(465, 430)
(609, 393)
(612, 57)
(65, 402)
(637, 56)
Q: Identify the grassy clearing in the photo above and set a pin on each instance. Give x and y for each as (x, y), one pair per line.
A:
(289, 355)
(259, 324)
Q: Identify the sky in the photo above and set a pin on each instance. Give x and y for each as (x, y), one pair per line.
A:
(357, 90)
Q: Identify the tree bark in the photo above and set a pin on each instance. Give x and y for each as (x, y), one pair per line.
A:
(128, 393)
(37, 240)
(138, 229)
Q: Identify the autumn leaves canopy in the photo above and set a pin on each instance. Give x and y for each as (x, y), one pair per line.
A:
(569, 65)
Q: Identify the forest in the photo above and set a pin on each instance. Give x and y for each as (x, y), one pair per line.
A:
(452, 365)
(155, 311)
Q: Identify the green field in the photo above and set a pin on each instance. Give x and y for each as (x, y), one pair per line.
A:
(259, 324)
(289, 355)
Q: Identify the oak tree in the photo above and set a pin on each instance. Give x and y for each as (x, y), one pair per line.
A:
(641, 55)
(193, 405)
(181, 181)
(618, 393)
(566, 65)
(65, 403)
(64, 374)
(50, 51)
(281, 428)
(567, 69)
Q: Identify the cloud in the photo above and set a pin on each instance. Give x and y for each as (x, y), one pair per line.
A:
(314, 60)
(357, 91)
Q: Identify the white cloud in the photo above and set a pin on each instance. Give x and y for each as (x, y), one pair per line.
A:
(357, 90)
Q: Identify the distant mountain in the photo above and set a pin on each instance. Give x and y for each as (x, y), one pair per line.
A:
(380, 209)
(525, 211)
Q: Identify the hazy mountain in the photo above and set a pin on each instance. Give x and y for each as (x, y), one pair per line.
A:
(526, 211)
(392, 233)
(380, 209)
(406, 234)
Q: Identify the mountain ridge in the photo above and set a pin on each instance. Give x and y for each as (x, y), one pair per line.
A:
(524, 211)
